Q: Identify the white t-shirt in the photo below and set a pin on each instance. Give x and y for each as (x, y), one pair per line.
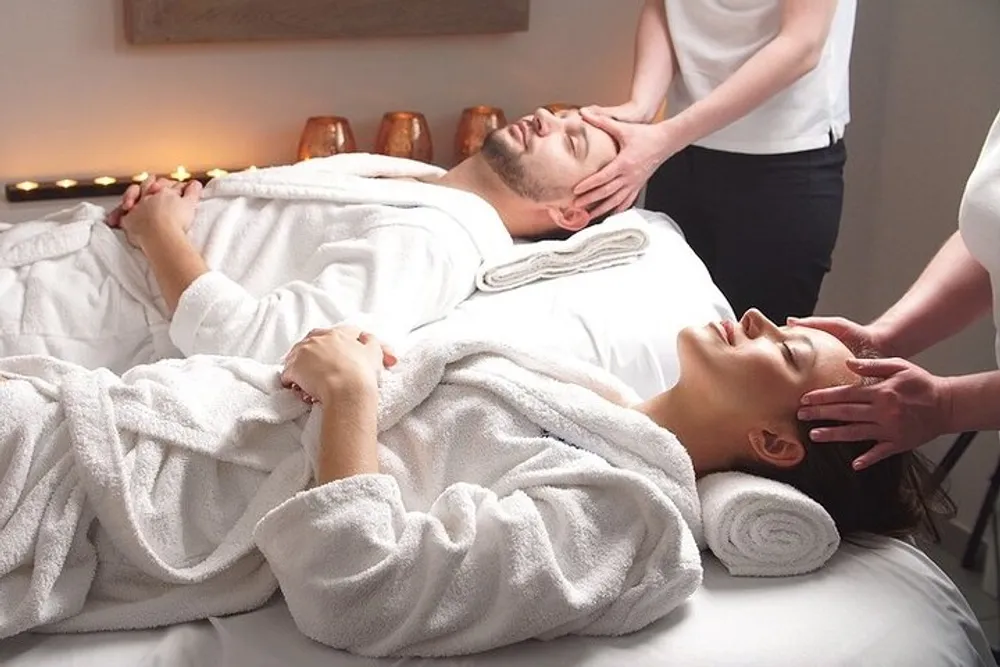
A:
(979, 215)
(713, 38)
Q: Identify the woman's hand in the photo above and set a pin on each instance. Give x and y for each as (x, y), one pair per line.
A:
(642, 148)
(630, 112)
(905, 408)
(135, 192)
(328, 363)
(170, 206)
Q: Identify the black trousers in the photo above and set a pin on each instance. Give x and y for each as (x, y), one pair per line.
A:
(764, 225)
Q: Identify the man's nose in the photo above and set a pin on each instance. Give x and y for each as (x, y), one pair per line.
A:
(544, 120)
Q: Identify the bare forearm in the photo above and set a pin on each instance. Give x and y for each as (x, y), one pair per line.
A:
(952, 292)
(348, 440)
(175, 262)
(772, 69)
(654, 59)
(974, 402)
(794, 52)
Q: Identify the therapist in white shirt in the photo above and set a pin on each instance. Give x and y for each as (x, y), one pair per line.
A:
(906, 406)
(749, 160)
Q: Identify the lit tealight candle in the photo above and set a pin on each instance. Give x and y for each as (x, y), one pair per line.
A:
(252, 167)
(26, 186)
(181, 174)
(216, 173)
(105, 180)
(139, 178)
(66, 183)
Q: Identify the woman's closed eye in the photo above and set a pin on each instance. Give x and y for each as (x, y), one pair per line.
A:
(789, 354)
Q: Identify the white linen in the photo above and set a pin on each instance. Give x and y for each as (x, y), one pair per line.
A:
(618, 240)
(347, 238)
(762, 528)
(624, 319)
(511, 504)
(869, 607)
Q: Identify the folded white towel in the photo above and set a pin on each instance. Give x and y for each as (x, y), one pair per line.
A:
(620, 239)
(762, 528)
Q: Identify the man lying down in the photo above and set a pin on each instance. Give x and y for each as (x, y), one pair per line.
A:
(259, 258)
(472, 497)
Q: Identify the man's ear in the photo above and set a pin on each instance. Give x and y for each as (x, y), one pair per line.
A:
(570, 218)
(782, 451)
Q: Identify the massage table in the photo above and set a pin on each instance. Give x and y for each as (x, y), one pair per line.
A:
(878, 601)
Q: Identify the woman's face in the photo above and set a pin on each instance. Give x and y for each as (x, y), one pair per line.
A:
(755, 372)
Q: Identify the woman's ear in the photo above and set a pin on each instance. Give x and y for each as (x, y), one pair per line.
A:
(782, 451)
(571, 218)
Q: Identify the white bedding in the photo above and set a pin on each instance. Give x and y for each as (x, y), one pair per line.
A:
(625, 318)
(881, 606)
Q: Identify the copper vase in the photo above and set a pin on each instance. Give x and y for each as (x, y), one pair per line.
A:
(556, 107)
(473, 127)
(405, 134)
(324, 136)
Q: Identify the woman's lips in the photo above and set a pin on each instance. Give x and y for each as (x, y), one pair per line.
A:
(719, 329)
(727, 331)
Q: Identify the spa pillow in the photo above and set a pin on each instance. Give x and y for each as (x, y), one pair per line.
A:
(624, 319)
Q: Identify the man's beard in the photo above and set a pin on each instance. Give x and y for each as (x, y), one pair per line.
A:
(509, 166)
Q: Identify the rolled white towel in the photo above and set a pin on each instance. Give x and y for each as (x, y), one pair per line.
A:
(762, 528)
(620, 239)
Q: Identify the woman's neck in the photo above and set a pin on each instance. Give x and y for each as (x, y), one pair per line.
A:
(696, 427)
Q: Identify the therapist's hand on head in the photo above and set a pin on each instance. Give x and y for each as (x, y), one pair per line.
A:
(901, 408)
(630, 112)
(642, 148)
(859, 337)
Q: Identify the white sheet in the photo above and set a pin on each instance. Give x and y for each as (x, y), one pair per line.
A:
(624, 319)
(868, 607)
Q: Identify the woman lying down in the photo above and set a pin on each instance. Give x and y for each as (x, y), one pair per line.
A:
(472, 497)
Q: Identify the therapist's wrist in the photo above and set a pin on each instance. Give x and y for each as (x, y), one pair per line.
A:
(676, 133)
(645, 109)
(889, 340)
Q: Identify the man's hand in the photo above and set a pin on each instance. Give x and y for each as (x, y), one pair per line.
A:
(171, 206)
(904, 409)
(329, 363)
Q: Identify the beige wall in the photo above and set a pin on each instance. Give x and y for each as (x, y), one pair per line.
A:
(78, 99)
(926, 81)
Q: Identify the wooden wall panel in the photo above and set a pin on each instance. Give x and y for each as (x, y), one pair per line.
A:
(176, 21)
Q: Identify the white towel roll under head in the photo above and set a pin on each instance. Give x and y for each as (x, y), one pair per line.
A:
(762, 528)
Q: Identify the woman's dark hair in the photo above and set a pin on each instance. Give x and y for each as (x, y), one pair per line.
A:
(892, 497)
